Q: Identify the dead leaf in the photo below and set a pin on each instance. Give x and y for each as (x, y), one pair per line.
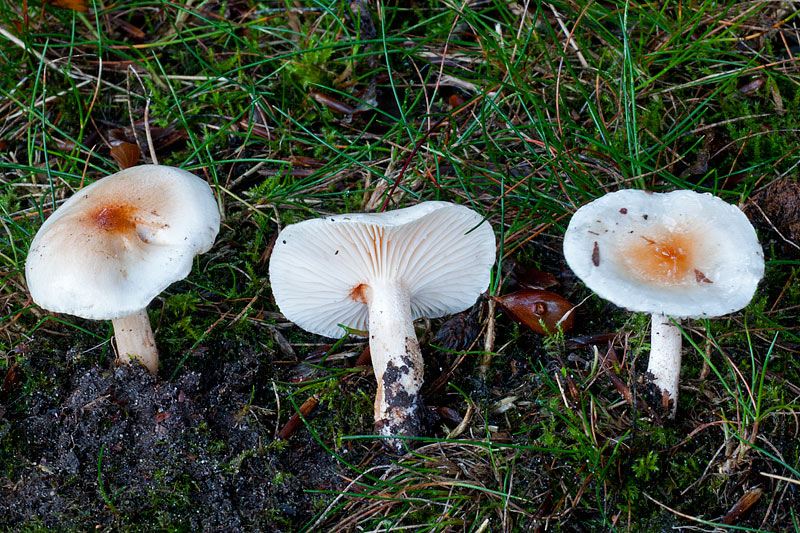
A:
(332, 103)
(449, 415)
(308, 162)
(256, 129)
(744, 503)
(129, 29)
(365, 358)
(750, 88)
(125, 154)
(778, 206)
(11, 381)
(455, 101)
(584, 341)
(75, 5)
(65, 145)
(533, 278)
(534, 307)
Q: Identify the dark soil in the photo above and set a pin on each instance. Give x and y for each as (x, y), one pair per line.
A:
(126, 451)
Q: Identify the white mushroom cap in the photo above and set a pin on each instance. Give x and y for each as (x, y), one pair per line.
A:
(682, 253)
(114, 245)
(441, 252)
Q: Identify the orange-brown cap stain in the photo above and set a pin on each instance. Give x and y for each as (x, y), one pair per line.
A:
(115, 218)
(667, 258)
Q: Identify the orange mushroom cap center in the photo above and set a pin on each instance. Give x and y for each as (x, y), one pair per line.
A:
(114, 218)
(668, 257)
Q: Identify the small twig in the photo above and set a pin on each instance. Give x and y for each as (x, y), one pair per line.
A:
(488, 345)
(297, 418)
(323, 515)
(80, 76)
(408, 161)
(678, 513)
(46, 100)
(570, 39)
(147, 132)
(787, 241)
(459, 429)
(782, 478)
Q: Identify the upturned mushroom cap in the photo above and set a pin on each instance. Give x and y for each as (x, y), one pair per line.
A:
(116, 244)
(681, 253)
(441, 252)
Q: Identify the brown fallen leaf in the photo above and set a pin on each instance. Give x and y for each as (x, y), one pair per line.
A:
(129, 29)
(777, 206)
(448, 415)
(304, 161)
(331, 103)
(365, 358)
(125, 154)
(455, 100)
(65, 145)
(11, 381)
(742, 506)
(750, 88)
(165, 137)
(533, 278)
(75, 5)
(256, 129)
(534, 308)
(584, 341)
(162, 137)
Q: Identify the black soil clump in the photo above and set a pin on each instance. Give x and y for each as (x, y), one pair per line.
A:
(125, 450)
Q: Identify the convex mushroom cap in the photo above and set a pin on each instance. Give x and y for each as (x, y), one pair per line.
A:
(675, 255)
(379, 272)
(112, 247)
(681, 253)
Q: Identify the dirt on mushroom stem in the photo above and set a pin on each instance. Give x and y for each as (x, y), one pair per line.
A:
(396, 360)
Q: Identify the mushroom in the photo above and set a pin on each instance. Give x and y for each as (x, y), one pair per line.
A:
(378, 273)
(674, 255)
(113, 246)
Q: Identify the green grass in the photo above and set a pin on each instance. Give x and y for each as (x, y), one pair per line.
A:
(521, 116)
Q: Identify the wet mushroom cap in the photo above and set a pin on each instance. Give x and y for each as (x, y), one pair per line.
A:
(681, 253)
(112, 247)
(441, 252)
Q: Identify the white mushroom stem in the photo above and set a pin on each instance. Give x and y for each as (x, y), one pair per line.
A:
(396, 359)
(135, 340)
(665, 357)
